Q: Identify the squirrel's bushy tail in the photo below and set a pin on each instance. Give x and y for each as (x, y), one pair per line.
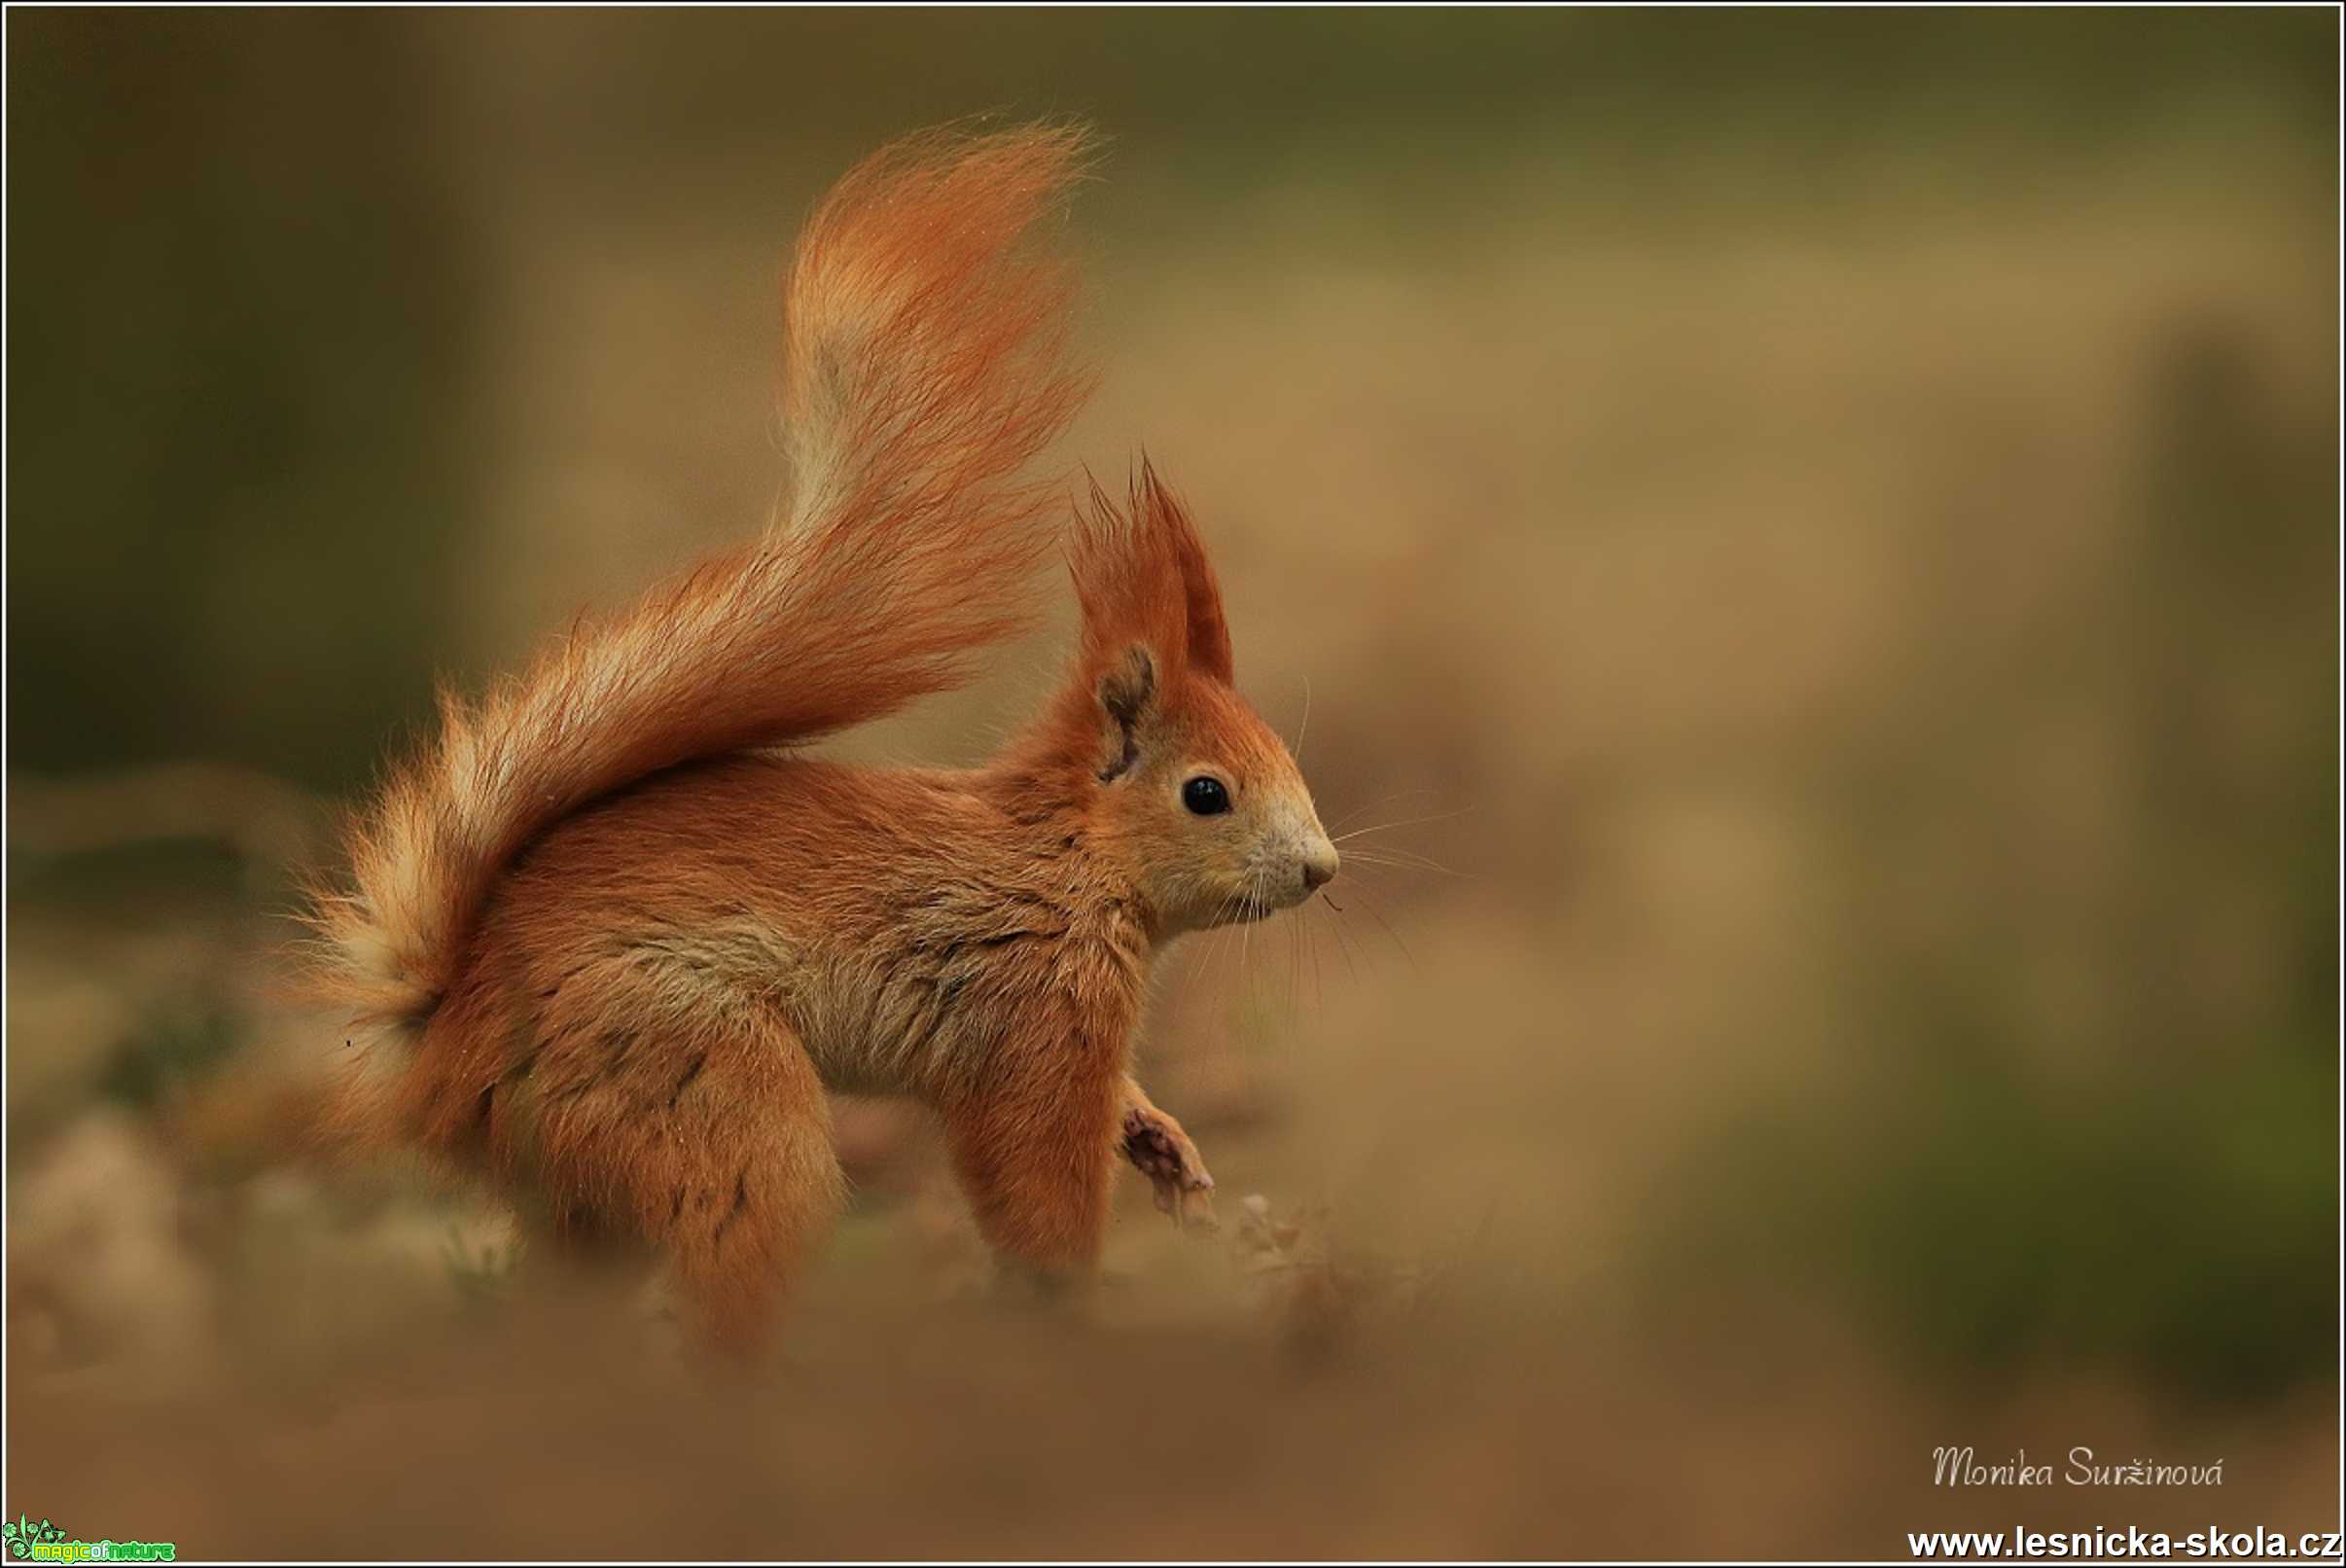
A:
(925, 364)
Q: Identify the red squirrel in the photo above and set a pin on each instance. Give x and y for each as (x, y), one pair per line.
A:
(627, 935)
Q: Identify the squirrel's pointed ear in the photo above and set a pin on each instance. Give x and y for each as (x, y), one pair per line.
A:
(1129, 590)
(1206, 634)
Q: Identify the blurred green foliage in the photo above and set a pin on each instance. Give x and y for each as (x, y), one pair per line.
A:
(2170, 1210)
(168, 1055)
(2183, 1229)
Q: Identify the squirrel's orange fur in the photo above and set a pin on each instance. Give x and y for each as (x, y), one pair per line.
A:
(628, 943)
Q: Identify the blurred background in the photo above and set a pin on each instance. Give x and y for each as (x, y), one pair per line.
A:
(1809, 537)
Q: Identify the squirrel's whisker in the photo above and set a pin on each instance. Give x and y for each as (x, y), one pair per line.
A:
(1392, 859)
(1311, 944)
(1386, 925)
(1404, 822)
(1304, 729)
(1335, 921)
(1383, 799)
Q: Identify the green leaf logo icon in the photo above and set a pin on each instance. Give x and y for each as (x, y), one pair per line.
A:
(21, 1533)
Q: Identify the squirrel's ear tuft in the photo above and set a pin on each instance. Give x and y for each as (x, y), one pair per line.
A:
(1142, 575)
(1206, 634)
(1129, 584)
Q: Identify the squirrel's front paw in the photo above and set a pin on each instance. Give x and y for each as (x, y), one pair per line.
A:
(1155, 1144)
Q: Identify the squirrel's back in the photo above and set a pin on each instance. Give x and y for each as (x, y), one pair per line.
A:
(925, 366)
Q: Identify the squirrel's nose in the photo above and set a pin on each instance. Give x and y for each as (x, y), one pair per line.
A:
(1318, 867)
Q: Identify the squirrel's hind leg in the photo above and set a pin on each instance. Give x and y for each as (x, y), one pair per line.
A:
(704, 1131)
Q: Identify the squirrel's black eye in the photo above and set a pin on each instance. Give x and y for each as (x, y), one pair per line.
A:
(1206, 796)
